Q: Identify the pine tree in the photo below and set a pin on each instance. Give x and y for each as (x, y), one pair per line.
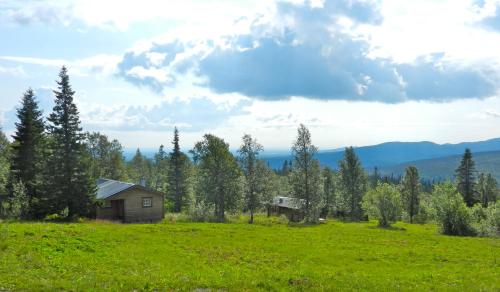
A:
(285, 169)
(68, 182)
(248, 157)
(306, 175)
(411, 191)
(27, 150)
(466, 178)
(160, 172)
(140, 169)
(353, 183)
(375, 177)
(178, 176)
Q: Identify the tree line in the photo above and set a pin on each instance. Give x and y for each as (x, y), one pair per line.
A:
(51, 168)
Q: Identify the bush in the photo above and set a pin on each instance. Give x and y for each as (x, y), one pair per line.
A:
(16, 206)
(451, 212)
(200, 212)
(486, 221)
(425, 211)
(383, 203)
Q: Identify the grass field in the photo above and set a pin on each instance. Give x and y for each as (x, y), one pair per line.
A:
(238, 256)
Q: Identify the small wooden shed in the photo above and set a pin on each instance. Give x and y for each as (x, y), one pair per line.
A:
(287, 206)
(128, 202)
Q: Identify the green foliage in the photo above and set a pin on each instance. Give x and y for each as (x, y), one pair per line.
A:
(27, 157)
(383, 203)
(106, 157)
(451, 211)
(68, 183)
(353, 184)
(160, 170)
(219, 181)
(268, 256)
(4, 163)
(410, 191)
(17, 204)
(486, 188)
(179, 176)
(257, 188)
(486, 220)
(306, 176)
(139, 169)
(466, 178)
(329, 191)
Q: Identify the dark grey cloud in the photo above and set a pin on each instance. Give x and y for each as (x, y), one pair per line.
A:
(305, 52)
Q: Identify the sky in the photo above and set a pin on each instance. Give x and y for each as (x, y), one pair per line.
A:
(354, 72)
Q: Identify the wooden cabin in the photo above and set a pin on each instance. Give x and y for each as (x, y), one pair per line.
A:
(127, 202)
(287, 206)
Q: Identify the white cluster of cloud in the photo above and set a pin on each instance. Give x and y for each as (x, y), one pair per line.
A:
(321, 52)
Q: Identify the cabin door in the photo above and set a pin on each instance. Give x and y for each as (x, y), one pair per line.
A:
(119, 207)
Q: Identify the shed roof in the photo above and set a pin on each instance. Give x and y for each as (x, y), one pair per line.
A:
(285, 202)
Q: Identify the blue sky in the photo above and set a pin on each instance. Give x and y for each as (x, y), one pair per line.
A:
(355, 72)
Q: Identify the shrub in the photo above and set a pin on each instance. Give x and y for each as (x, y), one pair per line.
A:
(451, 212)
(383, 203)
(425, 211)
(486, 221)
(200, 212)
(16, 206)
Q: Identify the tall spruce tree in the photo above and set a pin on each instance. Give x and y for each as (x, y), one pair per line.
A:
(410, 190)
(466, 178)
(306, 175)
(248, 157)
(178, 175)
(68, 180)
(27, 152)
(352, 179)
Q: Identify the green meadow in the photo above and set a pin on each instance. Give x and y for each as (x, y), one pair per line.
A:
(236, 256)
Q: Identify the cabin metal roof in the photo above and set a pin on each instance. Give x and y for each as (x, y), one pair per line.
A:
(285, 202)
(108, 187)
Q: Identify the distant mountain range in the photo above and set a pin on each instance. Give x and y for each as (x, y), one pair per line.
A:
(394, 153)
(433, 160)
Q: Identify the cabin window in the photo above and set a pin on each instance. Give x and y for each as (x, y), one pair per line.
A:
(147, 202)
(281, 200)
